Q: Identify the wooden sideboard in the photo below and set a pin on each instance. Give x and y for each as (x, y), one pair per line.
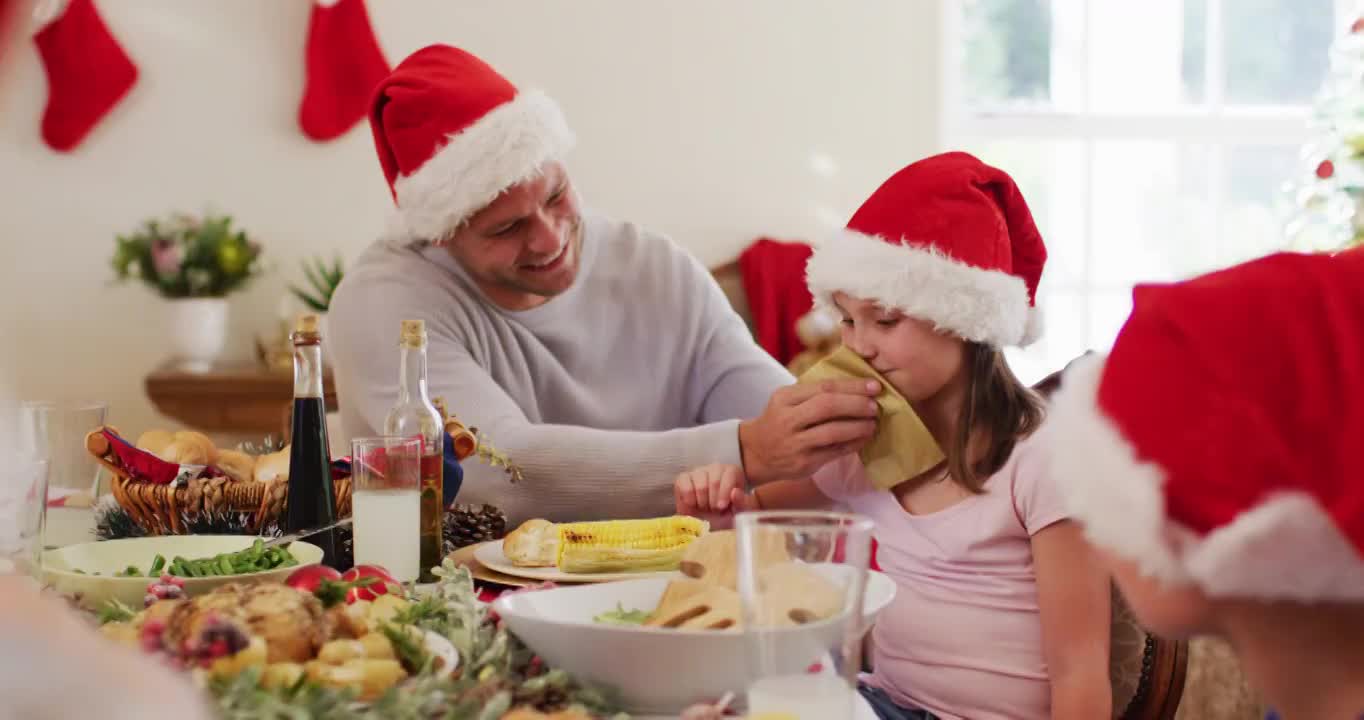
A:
(236, 398)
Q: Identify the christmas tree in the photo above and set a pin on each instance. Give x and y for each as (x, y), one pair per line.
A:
(1327, 196)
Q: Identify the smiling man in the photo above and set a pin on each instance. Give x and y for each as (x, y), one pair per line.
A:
(601, 357)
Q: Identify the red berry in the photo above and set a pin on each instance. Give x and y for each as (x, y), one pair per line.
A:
(1326, 169)
(218, 648)
(1357, 26)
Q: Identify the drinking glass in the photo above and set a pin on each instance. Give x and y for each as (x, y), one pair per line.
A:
(23, 493)
(802, 578)
(57, 429)
(386, 504)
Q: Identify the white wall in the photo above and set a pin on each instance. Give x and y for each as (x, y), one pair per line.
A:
(714, 121)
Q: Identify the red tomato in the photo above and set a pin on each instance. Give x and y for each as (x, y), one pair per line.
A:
(383, 583)
(307, 579)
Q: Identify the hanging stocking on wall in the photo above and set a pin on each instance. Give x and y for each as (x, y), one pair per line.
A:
(344, 64)
(88, 73)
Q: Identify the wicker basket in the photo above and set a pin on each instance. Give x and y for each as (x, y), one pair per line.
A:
(166, 510)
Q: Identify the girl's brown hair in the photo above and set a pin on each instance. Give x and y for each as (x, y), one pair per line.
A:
(998, 409)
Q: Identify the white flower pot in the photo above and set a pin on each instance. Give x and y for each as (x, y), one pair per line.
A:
(198, 332)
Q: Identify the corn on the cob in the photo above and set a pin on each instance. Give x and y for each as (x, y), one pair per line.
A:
(626, 545)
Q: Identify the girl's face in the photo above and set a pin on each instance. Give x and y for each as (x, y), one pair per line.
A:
(917, 359)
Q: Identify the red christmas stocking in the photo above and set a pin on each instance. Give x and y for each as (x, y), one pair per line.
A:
(344, 65)
(87, 73)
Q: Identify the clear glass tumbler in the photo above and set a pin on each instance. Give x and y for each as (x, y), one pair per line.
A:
(802, 582)
(386, 504)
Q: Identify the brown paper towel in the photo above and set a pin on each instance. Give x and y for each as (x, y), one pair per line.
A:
(902, 447)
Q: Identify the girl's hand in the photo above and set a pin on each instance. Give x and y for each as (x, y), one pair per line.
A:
(710, 490)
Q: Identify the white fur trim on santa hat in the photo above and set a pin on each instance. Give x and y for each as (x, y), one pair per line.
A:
(508, 145)
(1118, 498)
(987, 306)
(1286, 548)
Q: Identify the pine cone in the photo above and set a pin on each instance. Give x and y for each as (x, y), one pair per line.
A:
(468, 524)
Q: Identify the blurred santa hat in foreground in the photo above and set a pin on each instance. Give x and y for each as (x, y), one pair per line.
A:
(1217, 444)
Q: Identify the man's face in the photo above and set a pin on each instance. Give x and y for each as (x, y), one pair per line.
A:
(524, 248)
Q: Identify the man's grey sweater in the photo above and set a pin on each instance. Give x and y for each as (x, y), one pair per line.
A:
(601, 395)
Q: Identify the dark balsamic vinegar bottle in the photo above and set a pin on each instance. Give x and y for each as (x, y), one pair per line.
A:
(311, 502)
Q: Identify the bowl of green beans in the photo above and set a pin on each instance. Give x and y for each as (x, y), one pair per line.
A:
(96, 572)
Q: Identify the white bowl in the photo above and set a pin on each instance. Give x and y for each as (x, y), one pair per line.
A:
(658, 670)
(110, 556)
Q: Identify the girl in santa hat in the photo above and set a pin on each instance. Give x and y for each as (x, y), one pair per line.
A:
(1001, 610)
(1213, 456)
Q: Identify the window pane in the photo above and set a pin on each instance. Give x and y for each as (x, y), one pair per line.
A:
(1006, 56)
(1108, 312)
(1153, 215)
(1051, 175)
(1251, 216)
(1062, 340)
(1276, 50)
(1194, 63)
(1143, 57)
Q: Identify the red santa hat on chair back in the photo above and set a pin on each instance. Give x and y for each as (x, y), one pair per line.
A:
(1218, 444)
(452, 134)
(947, 239)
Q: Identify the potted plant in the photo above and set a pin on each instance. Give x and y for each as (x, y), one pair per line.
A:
(322, 279)
(195, 262)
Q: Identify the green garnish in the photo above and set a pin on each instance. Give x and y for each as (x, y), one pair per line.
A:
(621, 616)
(115, 611)
(410, 652)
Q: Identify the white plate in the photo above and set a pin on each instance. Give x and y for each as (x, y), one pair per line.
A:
(656, 671)
(492, 557)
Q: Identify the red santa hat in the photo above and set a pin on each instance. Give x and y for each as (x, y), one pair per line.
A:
(947, 239)
(452, 134)
(1218, 443)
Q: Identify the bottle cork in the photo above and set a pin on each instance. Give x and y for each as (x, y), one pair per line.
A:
(413, 333)
(307, 323)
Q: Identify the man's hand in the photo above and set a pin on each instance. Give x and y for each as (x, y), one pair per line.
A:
(807, 425)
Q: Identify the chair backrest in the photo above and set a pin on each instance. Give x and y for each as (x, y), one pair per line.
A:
(1147, 671)
(731, 281)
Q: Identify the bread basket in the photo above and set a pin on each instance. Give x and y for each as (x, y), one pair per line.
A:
(168, 508)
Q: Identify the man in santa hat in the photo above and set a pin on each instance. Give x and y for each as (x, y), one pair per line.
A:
(1214, 456)
(601, 357)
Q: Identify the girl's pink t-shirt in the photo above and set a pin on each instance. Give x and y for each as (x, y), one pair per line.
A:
(963, 637)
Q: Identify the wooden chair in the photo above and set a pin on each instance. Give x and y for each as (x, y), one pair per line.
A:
(1147, 671)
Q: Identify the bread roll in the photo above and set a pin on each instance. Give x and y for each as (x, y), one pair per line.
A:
(154, 441)
(273, 466)
(206, 447)
(184, 452)
(534, 544)
(237, 465)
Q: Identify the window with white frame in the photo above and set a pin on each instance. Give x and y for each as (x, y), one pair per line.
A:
(1152, 139)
